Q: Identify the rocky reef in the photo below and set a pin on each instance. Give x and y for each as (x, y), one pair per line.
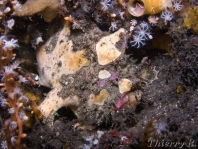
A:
(101, 74)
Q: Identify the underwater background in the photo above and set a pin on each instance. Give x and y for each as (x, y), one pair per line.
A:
(98, 74)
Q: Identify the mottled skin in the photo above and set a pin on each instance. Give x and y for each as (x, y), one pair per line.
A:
(48, 8)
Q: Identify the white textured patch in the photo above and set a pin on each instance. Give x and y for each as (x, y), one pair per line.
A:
(106, 49)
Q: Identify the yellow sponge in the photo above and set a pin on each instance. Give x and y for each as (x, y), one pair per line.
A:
(190, 21)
